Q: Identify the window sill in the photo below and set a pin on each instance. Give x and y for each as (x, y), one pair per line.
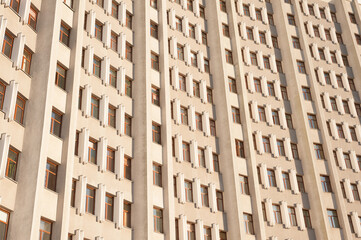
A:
(65, 45)
(69, 7)
(12, 180)
(61, 89)
(52, 191)
(52, 134)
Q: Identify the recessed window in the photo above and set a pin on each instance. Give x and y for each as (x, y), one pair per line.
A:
(158, 220)
(352, 18)
(92, 151)
(196, 89)
(232, 85)
(60, 76)
(110, 159)
(201, 158)
(109, 207)
(56, 122)
(239, 148)
(2, 94)
(199, 125)
(111, 116)
(94, 107)
(271, 178)
(90, 199)
(45, 229)
(127, 214)
(11, 167)
(154, 3)
(154, 29)
(301, 67)
(157, 174)
(19, 109)
(156, 133)
(113, 76)
(128, 87)
(188, 191)
(33, 17)
(128, 125)
(225, 30)
(4, 223)
(96, 66)
(236, 115)
(8, 43)
(98, 34)
(129, 20)
(50, 176)
(64, 33)
(248, 223)
(26, 64)
(296, 42)
(154, 61)
(332, 218)
(129, 52)
(204, 196)
(192, 31)
(229, 57)
(222, 5)
(244, 184)
(326, 183)
(291, 20)
(127, 168)
(155, 96)
(115, 7)
(219, 198)
(277, 213)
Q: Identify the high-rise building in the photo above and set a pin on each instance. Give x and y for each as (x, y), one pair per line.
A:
(180, 119)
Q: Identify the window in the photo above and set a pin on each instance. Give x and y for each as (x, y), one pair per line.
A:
(254, 60)
(319, 151)
(271, 178)
(262, 37)
(199, 125)
(8, 43)
(212, 125)
(155, 96)
(129, 52)
(153, 29)
(321, 53)
(286, 180)
(96, 66)
(266, 144)
(229, 57)
(110, 159)
(355, 193)
(346, 107)
(196, 89)
(64, 33)
(156, 133)
(109, 206)
(191, 234)
(201, 157)
(99, 3)
(114, 41)
(4, 223)
(204, 196)
(291, 20)
(352, 18)
(209, 95)
(352, 84)
(188, 191)
(240, 149)
(358, 39)
(158, 220)
(248, 223)
(92, 155)
(192, 31)
(25, 66)
(266, 62)
(232, 85)
(222, 235)
(353, 134)
(127, 168)
(280, 147)
(270, 19)
(277, 213)
(340, 131)
(127, 207)
(250, 34)
(262, 114)
(94, 107)
(358, 109)
(154, 61)
(350, 223)
(186, 152)
(316, 31)
(292, 216)
(2, 94)
(178, 24)
(45, 229)
(301, 185)
(190, 5)
(284, 93)
(157, 174)
(222, 5)
(19, 109)
(332, 218)
(207, 232)
(225, 30)
(236, 115)
(301, 67)
(114, 12)
(274, 42)
(307, 218)
(182, 83)
(128, 87)
(271, 89)
(258, 14)
(56, 121)
(279, 66)
(244, 184)
(98, 30)
(112, 76)
(246, 11)
(60, 77)
(275, 117)
(50, 176)
(345, 61)
(326, 184)
(219, 196)
(153, 3)
(202, 12)
(294, 150)
(128, 125)
(11, 167)
(90, 199)
(312, 120)
(215, 162)
(180, 52)
(328, 34)
(204, 38)
(184, 115)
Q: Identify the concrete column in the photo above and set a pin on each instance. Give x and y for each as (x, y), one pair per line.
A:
(199, 229)
(333, 35)
(339, 58)
(209, 159)
(18, 50)
(356, 223)
(279, 179)
(4, 151)
(268, 111)
(103, 110)
(256, 34)
(215, 231)
(203, 91)
(175, 77)
(84, 145)
(322, 32)
(192, 117)
(243, 30)
(118, 210)
(189, 84)
(79, 235)
(264, 176)
(194, 153)
(252, 10)
(351, 105)
(176, 111)
(122, 13)
(293, 181)
(277, 86)
(288, 149)
(250, 82)
(181, 188)
(107, 29)
(321, 76)
(196, 186)
(269, 209)
(264, 86)
(212, 197)
(185, 26)
(283, 120)
(259, 142)
(284, 214)
(316, 9)
(100, 202)
(200, 61)
(120, 116)
(264, 15)
(339, 104)
(354, 162)
(247, 56)
(346, 130)
(102, 154)
(340, 158)
(300, 218)
(24, 10)
(88, 60)
(274, 149)
(198, 30)
(105, 69)
(347, 186)
(310, 31)
(121, 81)
(333, 79)
(108, 6)
(269, 39)
(182, 227)
(260, 59)
(171, 18)
(254, 109)
(305, 7)
(345, 82)
(173, 47)
(11, 94)
(121, 45)
(206, 126)
(80, 195)
(90, 24)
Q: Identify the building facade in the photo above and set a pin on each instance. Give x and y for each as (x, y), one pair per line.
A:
(180, 119)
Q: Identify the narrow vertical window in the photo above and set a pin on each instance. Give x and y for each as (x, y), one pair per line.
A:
(127, 168)
(110, 159)
(11, 167)
(56, 122)
(158, 220)
(127, 214)
(64, 33)
(157, 174)
(45, 229)
(50, 176)
(26, 63)
(109, 207)
(2, 94)
(92, 154)
(19, 109)
(156, 133)
(60, 76)
(8, 43)
(90, 199)
(94, 107)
